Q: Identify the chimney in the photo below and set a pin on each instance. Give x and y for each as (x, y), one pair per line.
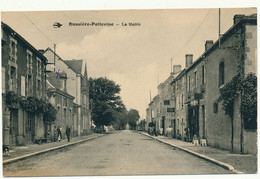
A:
(237, 17)
(176, 69)
(63, 81)
(189, 58)
(208, 44)
(41, 51)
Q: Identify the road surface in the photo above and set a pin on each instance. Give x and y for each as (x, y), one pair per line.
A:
(120, 153)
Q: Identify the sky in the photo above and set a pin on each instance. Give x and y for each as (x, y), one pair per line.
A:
(138, 58)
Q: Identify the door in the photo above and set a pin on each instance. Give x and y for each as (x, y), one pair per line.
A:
(193, 119)
(163, 125)
(29, 128)
(203, 122)
(13, 126)
(174, 128)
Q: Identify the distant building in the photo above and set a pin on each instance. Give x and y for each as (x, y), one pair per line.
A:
(77, 86)
(63, 102)
(23, 75)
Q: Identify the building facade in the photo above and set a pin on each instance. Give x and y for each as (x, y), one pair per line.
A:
(66, 111)
(197, 90)
(23, 77)
(235, 54)
(77, 86)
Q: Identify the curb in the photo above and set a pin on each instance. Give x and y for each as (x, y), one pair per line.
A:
(212, 160)
(9, 161)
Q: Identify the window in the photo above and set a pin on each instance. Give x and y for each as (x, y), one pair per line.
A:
(166, 102)
(189, 83)
(221, 74)
(3, 80)
(181, 101)
(38, 67)
(195, 79)
(215, 107)
(29, 85)
(29, 73)
(13, 79)
(203, 75)
(65, 115)
(65, 102)
(39, 88)
(13, 49)
(29, 61)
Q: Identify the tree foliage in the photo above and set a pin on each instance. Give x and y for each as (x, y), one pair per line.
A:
(247, 86)
(33, 104)
(132, 117)
(107, 107)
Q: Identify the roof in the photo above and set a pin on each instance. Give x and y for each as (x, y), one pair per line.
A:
(76, 65)
(246, 19)
(53, 85)
(18, 36)
(52, 81)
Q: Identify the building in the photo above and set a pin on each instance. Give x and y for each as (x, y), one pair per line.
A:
(77, 86)
(66, 109)
(167, 100)
(235, 53)
(23, 79)
(197, 89)
(180, 122)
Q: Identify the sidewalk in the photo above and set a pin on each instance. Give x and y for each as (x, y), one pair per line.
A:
(21, 152)
(238, 163)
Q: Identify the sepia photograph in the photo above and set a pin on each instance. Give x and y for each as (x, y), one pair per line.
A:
(129, 92)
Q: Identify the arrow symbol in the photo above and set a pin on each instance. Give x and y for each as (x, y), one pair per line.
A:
(57, 25)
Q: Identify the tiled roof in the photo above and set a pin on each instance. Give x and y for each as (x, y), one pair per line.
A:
(53, 82)
(76, 65)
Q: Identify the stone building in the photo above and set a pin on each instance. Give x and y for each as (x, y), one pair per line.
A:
(63, 102)
(235, 52)
(77, 86)
(23, 76)
(197, 90)
(180, 122)
(167, 100)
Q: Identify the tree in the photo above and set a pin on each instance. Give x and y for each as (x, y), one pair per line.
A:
(132, 118)
(107, 103)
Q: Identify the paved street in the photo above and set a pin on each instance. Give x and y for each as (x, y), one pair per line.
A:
(120, 153)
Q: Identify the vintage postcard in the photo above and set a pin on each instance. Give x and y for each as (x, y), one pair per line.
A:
(129, 92)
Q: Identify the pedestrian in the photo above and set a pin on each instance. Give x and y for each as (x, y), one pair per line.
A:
(59, 133)
(68, 133)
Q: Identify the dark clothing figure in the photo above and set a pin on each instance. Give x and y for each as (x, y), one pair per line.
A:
(59, 134)
(68, 133)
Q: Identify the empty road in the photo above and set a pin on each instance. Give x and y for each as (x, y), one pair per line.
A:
(120, 153)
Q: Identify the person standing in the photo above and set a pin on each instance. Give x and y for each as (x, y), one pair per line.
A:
(68, 133)
(59, 133)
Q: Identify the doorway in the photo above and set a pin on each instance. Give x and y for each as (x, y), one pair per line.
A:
(193, 120)
(13, 126)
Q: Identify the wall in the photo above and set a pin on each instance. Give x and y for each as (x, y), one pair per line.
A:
(250, 49)
(181, 118)
(219, 127)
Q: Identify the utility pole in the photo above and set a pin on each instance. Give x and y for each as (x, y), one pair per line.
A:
(54, 56)
(171, 65)
(219, 35)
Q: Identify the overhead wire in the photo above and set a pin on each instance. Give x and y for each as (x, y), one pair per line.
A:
(42, 33)
(193, 34)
